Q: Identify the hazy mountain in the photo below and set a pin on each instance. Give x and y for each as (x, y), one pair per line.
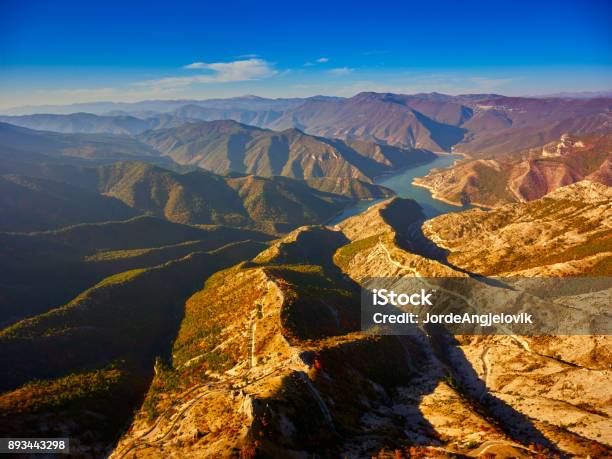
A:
(80, 123)
(103, 147)
(225, 146)
(579, 95)
(204, 113)
(158, 106)
(477, 124)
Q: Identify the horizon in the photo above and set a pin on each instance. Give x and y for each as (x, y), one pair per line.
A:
(604, 94)
(68, 53)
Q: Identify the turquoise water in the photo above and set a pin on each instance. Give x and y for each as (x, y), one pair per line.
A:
(401, 184)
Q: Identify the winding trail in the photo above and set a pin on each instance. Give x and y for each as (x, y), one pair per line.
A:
(187, 400)
(486, 368)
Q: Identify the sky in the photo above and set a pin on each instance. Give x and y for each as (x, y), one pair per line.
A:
(64, 52)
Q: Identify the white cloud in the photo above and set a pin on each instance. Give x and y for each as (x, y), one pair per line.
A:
(321, 60)
(217, 72)
(195, 65)
(341, 71)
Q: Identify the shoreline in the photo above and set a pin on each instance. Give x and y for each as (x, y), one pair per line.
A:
(458, 157)
(435, 195)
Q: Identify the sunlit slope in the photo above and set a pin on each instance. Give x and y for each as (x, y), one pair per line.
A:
(533, 383)
(567, 232)
(268, 360)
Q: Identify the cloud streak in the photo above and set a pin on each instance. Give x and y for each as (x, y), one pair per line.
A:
(321, 60)
(218, 72)
(341, 71)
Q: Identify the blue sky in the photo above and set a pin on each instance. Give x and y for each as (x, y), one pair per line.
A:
(64, 52)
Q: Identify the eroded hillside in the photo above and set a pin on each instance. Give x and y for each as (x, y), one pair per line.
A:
(526, 176)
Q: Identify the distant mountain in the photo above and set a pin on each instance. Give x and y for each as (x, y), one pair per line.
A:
(103, 147)
(477, 124)
(383, 118)
(194, 112)
(158, 106)
(319, 115)
(511, 124)
(579, 94)
(86, 123)
(227, 146)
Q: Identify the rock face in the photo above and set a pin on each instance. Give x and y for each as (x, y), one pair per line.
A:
(269, 360)
(528, 176)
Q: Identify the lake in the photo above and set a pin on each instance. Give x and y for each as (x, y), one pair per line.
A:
(401, 183)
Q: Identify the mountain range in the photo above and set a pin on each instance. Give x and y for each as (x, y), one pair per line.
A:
(475, 124)
(227, 146)
(76, 194)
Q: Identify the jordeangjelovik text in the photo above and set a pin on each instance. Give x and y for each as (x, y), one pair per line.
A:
(483, 320)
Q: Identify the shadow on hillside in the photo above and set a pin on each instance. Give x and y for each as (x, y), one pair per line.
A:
(413, 240)
(515, 424)
(356, 385)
